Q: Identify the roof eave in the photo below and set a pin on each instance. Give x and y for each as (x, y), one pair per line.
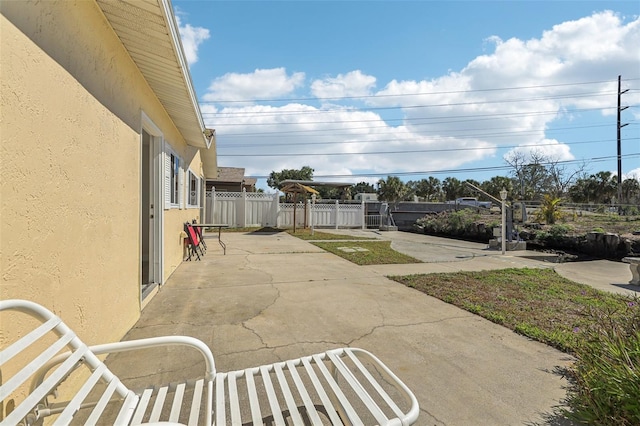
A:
(175, 92)
(174, 33)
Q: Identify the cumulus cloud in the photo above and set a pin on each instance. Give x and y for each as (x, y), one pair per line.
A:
(260, 84)
(353, 83)
(632, 174)
(191, 38)
(548, 148)
(506, 99)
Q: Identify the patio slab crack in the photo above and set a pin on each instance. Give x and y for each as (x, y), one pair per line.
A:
(381, 326)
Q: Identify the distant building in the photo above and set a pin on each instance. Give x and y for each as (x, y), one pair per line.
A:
(231, 179)
(363, 196)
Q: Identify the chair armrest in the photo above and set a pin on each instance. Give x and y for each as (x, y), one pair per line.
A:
(130, 345)
(414, 411)
(152, 342)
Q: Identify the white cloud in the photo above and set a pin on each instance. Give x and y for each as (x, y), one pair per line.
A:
(260, 84)
(191, 38)
(548, 148)
(462, 118)
(353, 83)
(632, 174)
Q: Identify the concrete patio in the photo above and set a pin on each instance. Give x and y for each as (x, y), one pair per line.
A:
(275, 297)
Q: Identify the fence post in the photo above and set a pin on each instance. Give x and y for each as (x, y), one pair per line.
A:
(337, 212)
(276, 208)
(243, 209)
(362, 216)
(313, 208)
(213, 205)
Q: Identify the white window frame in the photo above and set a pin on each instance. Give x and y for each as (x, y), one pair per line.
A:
(174, 179)
(193, 197)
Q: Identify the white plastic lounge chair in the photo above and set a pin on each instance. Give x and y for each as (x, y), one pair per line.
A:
(341, 386)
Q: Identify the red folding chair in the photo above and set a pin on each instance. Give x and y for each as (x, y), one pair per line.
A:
(198, 229)
(194, 247)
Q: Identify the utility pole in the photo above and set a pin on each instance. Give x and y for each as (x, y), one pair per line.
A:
(620, 126)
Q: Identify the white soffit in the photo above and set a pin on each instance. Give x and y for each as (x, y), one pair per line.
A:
(148, 30)
(210, 160)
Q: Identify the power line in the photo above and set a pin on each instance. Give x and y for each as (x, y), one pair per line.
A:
(471, 118)
(405, 107)
(475, 135)
(240, 114)
(337, 98)
(417, 151)
(461, 170)
(478, 117)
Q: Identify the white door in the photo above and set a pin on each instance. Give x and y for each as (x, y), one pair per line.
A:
(151, 210)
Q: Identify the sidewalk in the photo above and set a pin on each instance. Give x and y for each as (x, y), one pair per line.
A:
(275, 297)
(449, 255)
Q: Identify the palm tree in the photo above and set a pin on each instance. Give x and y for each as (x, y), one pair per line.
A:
(452, 188)
(494, 185)
(391, 190)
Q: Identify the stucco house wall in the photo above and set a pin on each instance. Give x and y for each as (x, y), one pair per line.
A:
(72, 106)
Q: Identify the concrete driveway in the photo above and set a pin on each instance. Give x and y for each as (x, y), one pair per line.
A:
(275, 297)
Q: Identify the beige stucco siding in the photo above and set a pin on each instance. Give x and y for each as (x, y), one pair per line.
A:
(72, 102)
(175, 217)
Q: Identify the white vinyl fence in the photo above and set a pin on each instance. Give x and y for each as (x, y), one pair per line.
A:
(253, 209)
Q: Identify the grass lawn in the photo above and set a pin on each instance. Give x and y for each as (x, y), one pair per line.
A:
(602, 330)
(537, 303)
(366, 252)
(305, 234)
(374, 252)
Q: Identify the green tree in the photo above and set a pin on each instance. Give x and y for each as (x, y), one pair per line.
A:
(605, 186)
(599, 188)
(468, 191)
(494, 185)
(392, 189)
(581, 191)
(275, 178)
(452, 188)
(412, 187)
(631, 191)
(362, 187)
(428, 188)
(328, 192)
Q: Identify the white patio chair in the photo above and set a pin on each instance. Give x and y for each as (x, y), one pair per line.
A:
(340, 386)
(51, 352)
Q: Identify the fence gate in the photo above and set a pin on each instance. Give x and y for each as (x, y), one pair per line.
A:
(255, 209)
(242, 209)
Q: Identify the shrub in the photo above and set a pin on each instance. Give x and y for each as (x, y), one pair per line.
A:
(560, 230)
(542, 235)
(456, 223)
(549, 210)
(606, 375)
(433, 223)
(459, 221)
(600, 230)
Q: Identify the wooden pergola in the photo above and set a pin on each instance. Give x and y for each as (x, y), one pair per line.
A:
(298, 188)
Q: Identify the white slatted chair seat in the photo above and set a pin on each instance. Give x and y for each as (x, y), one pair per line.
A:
(50, 353)
(341, 386)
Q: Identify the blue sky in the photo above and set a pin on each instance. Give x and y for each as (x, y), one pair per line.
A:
(359, 90)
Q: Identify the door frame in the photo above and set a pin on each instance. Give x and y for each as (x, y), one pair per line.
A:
(156, 236)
